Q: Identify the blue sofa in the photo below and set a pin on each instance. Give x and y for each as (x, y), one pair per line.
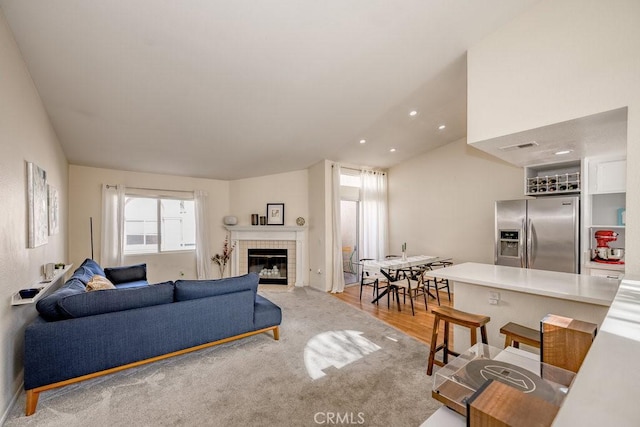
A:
(81, 335)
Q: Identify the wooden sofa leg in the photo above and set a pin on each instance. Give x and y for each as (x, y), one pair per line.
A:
(32, 402)
(276, 333)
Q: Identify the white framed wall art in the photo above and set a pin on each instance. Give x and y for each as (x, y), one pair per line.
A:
(37, 203)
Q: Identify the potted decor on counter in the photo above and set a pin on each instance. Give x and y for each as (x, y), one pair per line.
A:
(223, 259)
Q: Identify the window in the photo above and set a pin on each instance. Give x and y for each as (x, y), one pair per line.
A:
(350, 178)
(158, 224)
(350, 183)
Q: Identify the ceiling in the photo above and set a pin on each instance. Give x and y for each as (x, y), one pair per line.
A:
(234, 89)
(595, 135)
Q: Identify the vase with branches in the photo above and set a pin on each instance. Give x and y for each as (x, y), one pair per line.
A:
(223, 259)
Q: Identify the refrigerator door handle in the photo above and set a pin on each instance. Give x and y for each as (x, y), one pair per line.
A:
(529, 243)
(521, 250)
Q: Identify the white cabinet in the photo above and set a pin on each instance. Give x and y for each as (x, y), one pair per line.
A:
(605, 199)
(608, 176)
(603, 203)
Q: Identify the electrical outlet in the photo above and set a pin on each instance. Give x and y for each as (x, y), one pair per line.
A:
(494, 297)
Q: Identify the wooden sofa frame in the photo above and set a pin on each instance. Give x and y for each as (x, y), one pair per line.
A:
(34, 393)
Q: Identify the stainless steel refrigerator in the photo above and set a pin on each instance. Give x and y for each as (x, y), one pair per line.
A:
(542, 233)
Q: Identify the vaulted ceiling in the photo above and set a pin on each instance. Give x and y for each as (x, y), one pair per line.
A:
(228, 89)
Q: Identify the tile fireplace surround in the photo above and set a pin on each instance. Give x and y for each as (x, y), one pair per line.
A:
(292, 238)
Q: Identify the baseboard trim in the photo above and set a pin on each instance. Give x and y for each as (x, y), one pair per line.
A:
(12, 402)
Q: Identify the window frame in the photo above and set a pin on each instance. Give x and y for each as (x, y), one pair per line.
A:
(158, 216)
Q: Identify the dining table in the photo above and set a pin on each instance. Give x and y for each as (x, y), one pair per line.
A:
(397, 268)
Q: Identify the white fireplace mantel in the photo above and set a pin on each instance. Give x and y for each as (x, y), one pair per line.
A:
(273, 232)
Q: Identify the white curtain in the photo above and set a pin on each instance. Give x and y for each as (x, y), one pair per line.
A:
(337, 275)
(203, 253)
(112, 233)
(374, 214)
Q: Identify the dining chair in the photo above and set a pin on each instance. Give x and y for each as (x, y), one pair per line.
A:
(412, 284)
(375, 280)
(436, 283)
(353, 268)
(347, 255)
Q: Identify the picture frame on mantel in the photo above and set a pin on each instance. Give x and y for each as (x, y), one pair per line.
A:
(275, 213)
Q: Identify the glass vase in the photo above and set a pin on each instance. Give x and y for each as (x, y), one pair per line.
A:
(222, 268)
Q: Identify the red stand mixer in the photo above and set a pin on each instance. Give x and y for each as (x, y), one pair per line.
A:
(604, 253)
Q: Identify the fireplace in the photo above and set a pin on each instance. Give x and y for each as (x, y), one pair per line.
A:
(269, 264)
(293, 239)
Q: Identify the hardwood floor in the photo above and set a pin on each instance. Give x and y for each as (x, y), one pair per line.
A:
(419, 326)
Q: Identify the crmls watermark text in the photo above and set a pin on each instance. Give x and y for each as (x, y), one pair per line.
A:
(337, 418)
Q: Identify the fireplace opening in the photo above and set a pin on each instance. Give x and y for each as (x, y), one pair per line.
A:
(269, 264)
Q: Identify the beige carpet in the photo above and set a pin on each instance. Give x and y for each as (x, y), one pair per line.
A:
(376, 378)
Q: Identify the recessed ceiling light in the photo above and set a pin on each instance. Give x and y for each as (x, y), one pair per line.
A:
(363, 141)
(393, 150)
(441, 127)
(560, 153)
(413, 113)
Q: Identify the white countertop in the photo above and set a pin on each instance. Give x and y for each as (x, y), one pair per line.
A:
(605, 390)
(572, 287)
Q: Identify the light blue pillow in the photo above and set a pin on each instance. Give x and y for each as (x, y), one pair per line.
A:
(93, 266)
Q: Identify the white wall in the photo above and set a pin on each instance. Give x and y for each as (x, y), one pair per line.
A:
(85, 201)
(25, 135)
(319, 188)
(240, 198)
(561, 60)
(251, 195)
(442, 202)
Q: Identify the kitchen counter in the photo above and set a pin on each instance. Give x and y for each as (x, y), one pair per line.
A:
(604, 390)
(524, 296)
(572, 287)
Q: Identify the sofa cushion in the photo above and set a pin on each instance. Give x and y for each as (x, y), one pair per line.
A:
(99, 283)
(194, 289)
(48, 306)
(93, 266)
(128, 273)
(92, 303)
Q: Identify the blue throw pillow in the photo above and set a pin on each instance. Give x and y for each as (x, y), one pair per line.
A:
(93, 266)
(83, 274)
(194, 289)
(128, 273)
(48, 306)
(108, 301)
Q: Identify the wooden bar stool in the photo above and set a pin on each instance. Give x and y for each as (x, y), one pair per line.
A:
(457, 317)
(516, 334)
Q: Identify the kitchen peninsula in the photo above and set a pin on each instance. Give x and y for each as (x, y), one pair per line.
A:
(604, 389)
(524, 296)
